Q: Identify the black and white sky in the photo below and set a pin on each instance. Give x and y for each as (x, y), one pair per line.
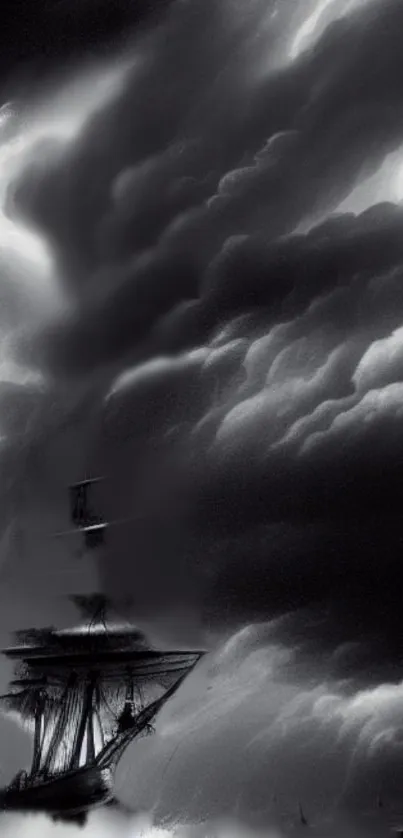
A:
(201, 297)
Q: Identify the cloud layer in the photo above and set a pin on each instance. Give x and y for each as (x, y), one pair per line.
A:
(207, 326)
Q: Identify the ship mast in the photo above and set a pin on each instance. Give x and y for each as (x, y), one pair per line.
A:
(94, 681)
(85, 520)
(85, 725)
(97, 715)
(90, 755)
(91, 524)
(38, 732)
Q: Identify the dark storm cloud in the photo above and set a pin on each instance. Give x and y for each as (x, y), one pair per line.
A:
(212, 152)
(292, 477)
(42, 40)
(172, 215)
(245, 353)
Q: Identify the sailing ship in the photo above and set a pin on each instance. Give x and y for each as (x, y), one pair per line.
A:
(85, 694)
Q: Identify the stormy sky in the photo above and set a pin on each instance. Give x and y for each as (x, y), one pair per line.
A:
(201, 298)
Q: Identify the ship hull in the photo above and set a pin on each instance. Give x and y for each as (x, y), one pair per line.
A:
(69, 793)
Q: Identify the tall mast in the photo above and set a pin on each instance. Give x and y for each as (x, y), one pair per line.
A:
(84, 518)
(83, 723)
(39, 709)
(129, 686)
(92, 525)
(97, 714)
(90, 737)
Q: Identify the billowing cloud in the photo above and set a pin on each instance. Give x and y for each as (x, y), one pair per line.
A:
(243, 724)
(248, 358)
(246, 159)
(198, 317)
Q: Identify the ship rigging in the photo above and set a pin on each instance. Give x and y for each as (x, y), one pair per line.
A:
(84, 695)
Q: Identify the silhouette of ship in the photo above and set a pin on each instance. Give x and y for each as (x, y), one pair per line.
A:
(85, 694)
